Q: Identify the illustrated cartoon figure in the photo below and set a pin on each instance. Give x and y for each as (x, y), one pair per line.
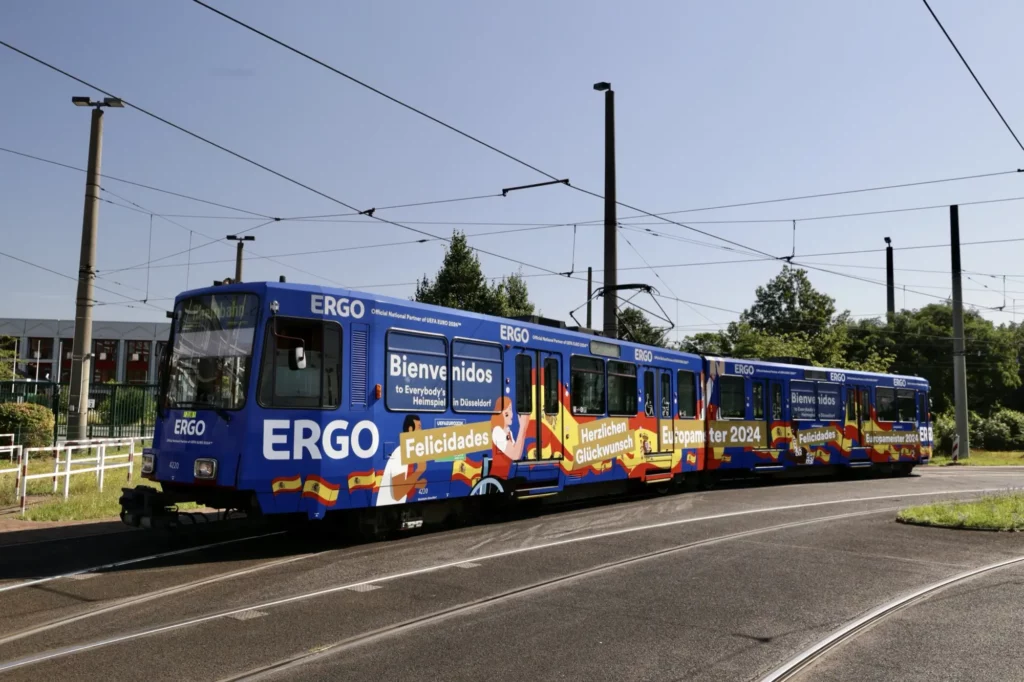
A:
(645, 444)
(399, 480)
(505, 447)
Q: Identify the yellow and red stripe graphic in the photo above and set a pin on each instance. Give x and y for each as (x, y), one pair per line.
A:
(286, 484)
(320, 490)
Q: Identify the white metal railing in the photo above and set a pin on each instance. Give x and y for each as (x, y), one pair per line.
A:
(65, 462)
(16, 470)
(11, 451)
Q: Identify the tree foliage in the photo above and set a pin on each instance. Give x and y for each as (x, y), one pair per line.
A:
(634, 326)
(460, 283)
(6, 358)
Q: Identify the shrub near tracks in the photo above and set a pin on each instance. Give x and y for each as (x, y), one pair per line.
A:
(32, 424)
(992, 512)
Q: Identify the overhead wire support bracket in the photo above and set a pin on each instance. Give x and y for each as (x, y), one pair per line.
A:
(505, 191)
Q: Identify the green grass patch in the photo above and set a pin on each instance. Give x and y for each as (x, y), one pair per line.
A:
(993, 512)
(85, 501)
(982, 458)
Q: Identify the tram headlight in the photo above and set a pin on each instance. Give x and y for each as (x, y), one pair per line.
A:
(148, 463)
(205, 468)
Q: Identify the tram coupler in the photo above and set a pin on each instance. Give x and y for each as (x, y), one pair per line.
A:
(146, 507)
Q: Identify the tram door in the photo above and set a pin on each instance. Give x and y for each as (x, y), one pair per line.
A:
(550, 412)
(858, 412)
(665, 411)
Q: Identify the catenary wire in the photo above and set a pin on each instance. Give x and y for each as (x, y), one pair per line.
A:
(973, 75)
(132, 182)
(264, 167)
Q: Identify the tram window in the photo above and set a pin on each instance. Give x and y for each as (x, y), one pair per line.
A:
(803, 400)
(524, 384)
(906, 401)
(551, 397)
(649, 393)
(830, 406)
(666, 395)
(758, 397)
(776, 402)
(315, 386)
(687, 393)
(885, 404)
(922, 410)
(731, 398)
(416, 375)
(476, 376)
(851, 404)
(865, 404)
(586, 385)
(621, 388)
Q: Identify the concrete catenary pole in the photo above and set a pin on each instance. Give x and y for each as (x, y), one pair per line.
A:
(611, 270)
(959, 356)
(890, 298)
(81, 354)
(590, 293)
(239, 252)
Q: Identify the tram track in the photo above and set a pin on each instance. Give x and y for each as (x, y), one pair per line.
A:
(794, 668)
(114, 565)
(468, 606)
(497, 599)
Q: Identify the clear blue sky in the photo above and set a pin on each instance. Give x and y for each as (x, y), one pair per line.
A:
(716, 103)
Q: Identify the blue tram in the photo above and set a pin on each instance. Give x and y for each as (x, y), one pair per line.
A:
(279, 398)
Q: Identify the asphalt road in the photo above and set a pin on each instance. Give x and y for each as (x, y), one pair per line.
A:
(719, 585)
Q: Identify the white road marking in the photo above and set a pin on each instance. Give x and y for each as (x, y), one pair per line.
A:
(249, 615)
(78, 648)
(364, 587)
(467, 564)
(140, 599)
(138, 560)
(796, 663)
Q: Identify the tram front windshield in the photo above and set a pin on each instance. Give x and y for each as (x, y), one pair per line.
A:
(211, 354)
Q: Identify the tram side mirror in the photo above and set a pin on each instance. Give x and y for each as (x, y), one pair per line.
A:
(297, 358)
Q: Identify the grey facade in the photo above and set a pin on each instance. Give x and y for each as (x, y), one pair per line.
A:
(125, 352)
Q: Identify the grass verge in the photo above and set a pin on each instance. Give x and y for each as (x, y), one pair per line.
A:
(993, 512)
(982, 458)
(85, 501)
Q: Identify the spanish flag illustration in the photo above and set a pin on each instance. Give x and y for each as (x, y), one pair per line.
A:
(320, 490)
(286, 484)
(466, 471)
(364, 480)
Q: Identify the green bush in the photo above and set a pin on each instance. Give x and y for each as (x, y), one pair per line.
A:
(944, 428)
(32, 424)
(1004, 430)
(40, 399)
(126, 406)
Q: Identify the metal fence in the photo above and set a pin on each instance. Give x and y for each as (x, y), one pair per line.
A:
(115, 410)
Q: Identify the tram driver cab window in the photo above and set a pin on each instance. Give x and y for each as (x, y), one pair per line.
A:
(317, 384)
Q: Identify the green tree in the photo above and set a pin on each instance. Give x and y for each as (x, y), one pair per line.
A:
(460, 283)
(634, 326)
(6, 358)
(790, 318)
(514, 297)
(789, 303)
(708, 343)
